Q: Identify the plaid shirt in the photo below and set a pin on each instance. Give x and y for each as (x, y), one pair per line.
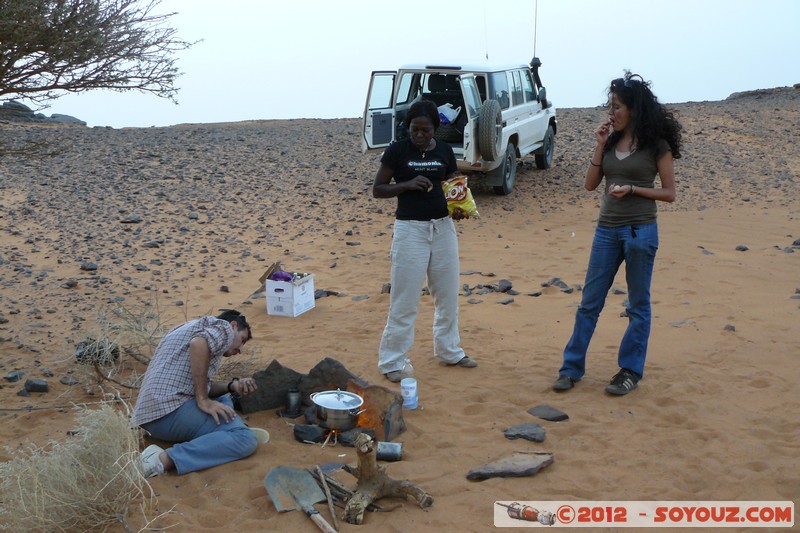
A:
(168, 381)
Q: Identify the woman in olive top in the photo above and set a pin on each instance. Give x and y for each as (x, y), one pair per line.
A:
(639, 140)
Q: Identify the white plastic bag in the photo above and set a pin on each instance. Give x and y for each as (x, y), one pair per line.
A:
(448, 114)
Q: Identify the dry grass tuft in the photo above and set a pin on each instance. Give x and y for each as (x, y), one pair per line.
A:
(86, 483)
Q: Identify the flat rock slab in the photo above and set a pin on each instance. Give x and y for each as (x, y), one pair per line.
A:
(518, 464)
(530, 431)
(545, 412)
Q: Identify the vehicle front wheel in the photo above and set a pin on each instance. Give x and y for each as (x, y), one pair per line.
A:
(507, 172)
(544, 156)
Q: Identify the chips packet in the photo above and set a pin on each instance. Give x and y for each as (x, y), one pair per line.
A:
(460, 203)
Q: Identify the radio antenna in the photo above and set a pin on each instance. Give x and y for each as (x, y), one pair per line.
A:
(535, 20)
(486, 33)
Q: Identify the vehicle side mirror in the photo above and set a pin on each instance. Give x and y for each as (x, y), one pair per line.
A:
(542, 97)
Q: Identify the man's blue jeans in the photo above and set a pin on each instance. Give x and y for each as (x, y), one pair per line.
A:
(202, 443)
(637, 246)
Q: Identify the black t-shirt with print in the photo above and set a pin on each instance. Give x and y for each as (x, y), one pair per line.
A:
(408, 162)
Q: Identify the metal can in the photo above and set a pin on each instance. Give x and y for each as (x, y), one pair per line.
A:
(389, 451)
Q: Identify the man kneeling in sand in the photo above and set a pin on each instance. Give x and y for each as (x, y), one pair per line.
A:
(178, 402)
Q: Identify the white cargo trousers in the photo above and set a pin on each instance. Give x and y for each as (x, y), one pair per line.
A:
(422, 249)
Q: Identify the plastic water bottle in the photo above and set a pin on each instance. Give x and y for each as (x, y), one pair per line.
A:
(408, 386)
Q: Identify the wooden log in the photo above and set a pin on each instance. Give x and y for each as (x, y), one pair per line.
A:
(373, 483)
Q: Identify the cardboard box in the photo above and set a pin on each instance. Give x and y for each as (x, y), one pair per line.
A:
(290, 298)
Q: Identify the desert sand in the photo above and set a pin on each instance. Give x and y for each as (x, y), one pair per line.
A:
(183, 220)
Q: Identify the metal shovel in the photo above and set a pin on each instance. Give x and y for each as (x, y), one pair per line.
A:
(294, 488)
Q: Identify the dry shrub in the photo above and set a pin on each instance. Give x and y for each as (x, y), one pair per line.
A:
(244, 365)
(137, 331)
(122, 337)
(85, 483)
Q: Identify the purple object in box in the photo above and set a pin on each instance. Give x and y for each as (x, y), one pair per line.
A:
(280, 275)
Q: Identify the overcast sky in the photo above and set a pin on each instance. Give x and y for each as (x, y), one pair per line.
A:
(265, 59)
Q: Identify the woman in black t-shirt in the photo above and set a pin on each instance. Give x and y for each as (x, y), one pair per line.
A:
(424, 245)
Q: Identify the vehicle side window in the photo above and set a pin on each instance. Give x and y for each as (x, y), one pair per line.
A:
(516, 89)
(381, 94)
(481, 82)
(499, 91)
(408, 89)
(527, 86)
(471, 88)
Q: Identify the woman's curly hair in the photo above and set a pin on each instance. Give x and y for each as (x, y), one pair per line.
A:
(651, 120)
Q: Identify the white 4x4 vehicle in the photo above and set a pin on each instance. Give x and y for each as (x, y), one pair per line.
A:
(498, 114)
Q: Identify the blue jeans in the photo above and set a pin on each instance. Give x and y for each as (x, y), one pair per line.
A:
(202, 443)
(637, 246)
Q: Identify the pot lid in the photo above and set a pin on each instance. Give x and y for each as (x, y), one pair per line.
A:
(337, 399)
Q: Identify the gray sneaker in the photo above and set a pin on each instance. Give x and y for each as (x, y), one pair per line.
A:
(466, 362)
(394, 376)
(563, 383)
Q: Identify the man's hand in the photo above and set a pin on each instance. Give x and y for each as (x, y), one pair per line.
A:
(244, 386)
(216, 410)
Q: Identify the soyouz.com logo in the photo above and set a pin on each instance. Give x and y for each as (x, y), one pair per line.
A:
(770, 514)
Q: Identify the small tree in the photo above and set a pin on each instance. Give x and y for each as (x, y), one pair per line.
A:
(48, 47)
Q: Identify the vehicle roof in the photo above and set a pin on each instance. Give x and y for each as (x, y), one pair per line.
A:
(464, 67)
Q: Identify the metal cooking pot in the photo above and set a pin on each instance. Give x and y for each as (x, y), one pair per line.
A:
(338, 409)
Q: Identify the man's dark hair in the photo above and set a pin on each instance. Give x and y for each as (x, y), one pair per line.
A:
(231, 315)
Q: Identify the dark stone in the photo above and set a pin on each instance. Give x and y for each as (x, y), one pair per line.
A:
(742, 248)
(546, 412)
(506, 301)
(504, 285)
(68, 380)
(730, 327)
(347, 438)
(224, 288)
(386, 289)
(88, 265)
(133, 219)
(23, 392)
(273, 384)
(474, 301)
(555, 282)
(14, 376)
(70, 283)
(310, 433)
(535, 294)
(36, 385)
(518, 464)
(328, 374)
(529, 431)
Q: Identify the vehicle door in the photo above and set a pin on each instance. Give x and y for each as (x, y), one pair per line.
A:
(472, 103)
(377, 128)
(534, 119)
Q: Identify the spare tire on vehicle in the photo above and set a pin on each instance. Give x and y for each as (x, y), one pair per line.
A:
(490, 130)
